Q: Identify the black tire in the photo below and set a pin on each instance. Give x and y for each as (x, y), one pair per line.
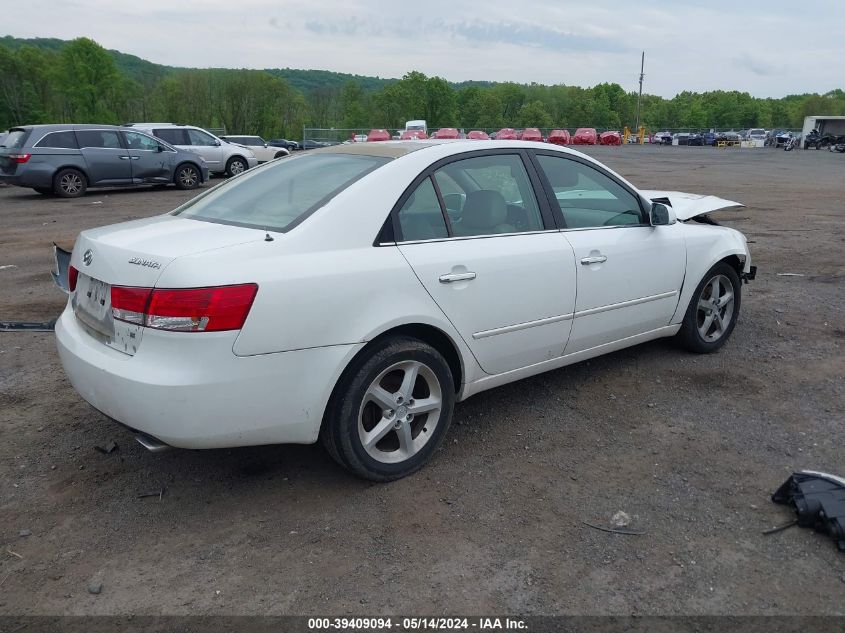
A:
(44, 191)
(347, 409)
(281, 155)
(70, 183)
(236, 165)
(690, 335)
(187, 176)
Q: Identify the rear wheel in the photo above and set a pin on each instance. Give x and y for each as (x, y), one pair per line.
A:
(70, 183)
(187, 177)
(713, 310)
(235, 166)
(390, 410)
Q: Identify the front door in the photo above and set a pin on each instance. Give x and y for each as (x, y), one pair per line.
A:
(629, 272)
(493, 263)
(150, 159)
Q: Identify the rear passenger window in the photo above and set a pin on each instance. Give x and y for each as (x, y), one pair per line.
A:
(62, 140)
(107, 139)
(173, 136)
(421, 218)
(489, 195)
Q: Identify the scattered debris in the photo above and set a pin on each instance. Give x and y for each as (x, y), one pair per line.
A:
(25, 533)
(95, 587)
(790, 275)
(108, 449)
(8, 551)
(620, 519)
(621, 530)
(7, 266)
(819, 502)
(28, 326)
(780, 528)
(157, 493)
(97, 202)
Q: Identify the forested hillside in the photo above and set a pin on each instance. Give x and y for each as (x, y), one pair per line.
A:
(50, 80)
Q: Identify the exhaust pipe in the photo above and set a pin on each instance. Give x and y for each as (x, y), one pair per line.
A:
(151, 444)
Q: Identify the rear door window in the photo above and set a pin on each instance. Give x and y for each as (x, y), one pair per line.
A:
(136, 140)
(106, 139)
(174, 136)
(61, 140)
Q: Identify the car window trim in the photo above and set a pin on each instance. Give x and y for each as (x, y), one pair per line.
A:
(552, 200)
(167, 147)
(546, 215)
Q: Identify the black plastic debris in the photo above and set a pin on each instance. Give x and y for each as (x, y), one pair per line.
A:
(819, 502)
(27, 326)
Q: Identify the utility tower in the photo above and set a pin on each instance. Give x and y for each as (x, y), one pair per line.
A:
(640, 96)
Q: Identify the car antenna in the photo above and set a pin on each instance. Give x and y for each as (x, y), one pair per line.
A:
(267, 236)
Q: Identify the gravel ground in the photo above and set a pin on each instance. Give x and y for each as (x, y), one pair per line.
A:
(691, 447)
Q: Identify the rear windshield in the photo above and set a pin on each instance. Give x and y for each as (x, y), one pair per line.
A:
(15, 139)
(280, 195)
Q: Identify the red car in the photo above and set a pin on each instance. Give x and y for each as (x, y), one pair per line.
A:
(559, 137)
(413, 135)
(478, 135)
(506, 134)
(532, 134)
(378, 135)
(446, 132)
(610, 138)
(585, 136)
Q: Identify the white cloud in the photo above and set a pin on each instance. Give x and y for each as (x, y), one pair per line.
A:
(762, 48)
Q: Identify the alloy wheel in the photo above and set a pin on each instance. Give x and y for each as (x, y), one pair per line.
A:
(715, 308)
(70, 184)
(400, 411)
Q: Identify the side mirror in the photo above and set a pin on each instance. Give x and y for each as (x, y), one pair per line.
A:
(661, 215)
(159, 148)
(216, 143)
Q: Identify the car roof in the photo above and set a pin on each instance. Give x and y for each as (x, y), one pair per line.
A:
(66, 126)
(397, 149)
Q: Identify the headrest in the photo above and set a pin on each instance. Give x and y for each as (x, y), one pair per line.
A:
(484, 209)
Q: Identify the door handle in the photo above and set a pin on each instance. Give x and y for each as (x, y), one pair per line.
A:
(595, 259)
(452, 277)
(123, 157)
(135, 157)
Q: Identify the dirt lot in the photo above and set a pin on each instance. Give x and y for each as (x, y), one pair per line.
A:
(690, 446)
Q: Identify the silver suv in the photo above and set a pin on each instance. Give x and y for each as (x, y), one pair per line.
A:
(221, 157)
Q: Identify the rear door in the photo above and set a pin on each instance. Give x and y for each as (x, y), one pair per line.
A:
(208, 147)
(151, 161)
(494, 262)
(629, 272)
(106, 158)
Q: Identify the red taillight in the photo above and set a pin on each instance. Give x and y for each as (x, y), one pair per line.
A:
(185, 309)
(72, 276)
(130, 304)
(20, 158)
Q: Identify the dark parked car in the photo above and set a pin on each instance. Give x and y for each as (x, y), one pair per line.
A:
(708, 138)
(283, 142)
(67, 159)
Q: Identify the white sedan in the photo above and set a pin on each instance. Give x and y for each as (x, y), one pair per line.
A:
(355, 293)
(262, 150)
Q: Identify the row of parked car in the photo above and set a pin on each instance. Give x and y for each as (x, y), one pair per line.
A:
(582, 136)
(65, 160)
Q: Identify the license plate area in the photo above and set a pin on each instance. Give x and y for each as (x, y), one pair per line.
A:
(92, 306)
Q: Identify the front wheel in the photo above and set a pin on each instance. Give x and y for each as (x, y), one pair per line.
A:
(713, 310)
(235, 166)
(390, 410)
(187, 177)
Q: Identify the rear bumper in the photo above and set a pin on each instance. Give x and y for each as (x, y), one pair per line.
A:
(29, 178)
(191, 391)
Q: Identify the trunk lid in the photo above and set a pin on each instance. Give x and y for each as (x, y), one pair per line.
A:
(689, 205)
(135, 254)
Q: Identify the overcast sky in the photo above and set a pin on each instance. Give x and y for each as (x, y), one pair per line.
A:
(765, 47)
